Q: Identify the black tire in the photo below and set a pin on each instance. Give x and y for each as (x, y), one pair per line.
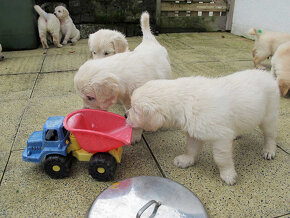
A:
(57, 166)
(102, 166)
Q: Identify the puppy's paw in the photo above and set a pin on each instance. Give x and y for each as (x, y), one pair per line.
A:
(260, 67)
(268, 155)
(183, 161)
(59, 45)
(229, 176)
(64, 42)
(136, 138)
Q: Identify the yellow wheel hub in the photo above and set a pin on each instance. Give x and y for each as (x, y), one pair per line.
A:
(101, 170)
(56, 168)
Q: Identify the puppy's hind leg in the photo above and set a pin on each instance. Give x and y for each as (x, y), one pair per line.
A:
(223, 156)
(76, 38)
(43, 41)
(193, 149)
(56, 40)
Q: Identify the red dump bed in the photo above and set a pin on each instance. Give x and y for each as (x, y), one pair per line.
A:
(98, 131)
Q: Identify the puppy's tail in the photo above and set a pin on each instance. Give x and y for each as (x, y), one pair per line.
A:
(145, 26)
(254, 32)
(41, 12)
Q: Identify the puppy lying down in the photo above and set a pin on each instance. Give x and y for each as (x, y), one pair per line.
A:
(105, 43)
(210, 110)
(281, 67)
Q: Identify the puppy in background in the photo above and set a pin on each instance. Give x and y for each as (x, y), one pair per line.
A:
(103, 82)
(67, 27)
(266, 44)
(213, 111)
(48, 23)
(281, 67)
(1, 55)
(105, 43)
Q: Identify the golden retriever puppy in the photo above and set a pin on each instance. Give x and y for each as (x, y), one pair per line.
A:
(48, 23)
(281, 67)
(67, 27)
(105, 43)
(1, 55)
(210, 110)
(266, 44)
(103, 82)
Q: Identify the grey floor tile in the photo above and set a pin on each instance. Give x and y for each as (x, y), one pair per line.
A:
(16, 86)
(261, 189)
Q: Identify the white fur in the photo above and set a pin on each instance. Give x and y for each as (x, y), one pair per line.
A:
(68, 29)
(281, 67)
(48, 23)
(103, 82)
(1, 55)
(266, 44)
(211, 110)
(105, 43)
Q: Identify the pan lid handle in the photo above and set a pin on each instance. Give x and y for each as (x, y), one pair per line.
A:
(148, 205)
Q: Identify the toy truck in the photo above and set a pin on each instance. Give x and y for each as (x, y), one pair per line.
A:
(86, 134)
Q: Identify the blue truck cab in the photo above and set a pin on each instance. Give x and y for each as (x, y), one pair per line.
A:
(53, 139)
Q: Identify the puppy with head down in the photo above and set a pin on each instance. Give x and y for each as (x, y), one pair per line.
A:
(105, 43)
(266, 44)
(68, 29)
(213, 111)
(281, 67)
(103, 82)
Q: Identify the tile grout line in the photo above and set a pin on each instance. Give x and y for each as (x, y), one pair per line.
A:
(47, 72)
(156, 162)
(282, 215)
(19, 124)
(283, 149)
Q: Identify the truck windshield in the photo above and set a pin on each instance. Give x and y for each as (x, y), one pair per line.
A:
(51, 135)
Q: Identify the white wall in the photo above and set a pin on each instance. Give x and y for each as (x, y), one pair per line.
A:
(271, 15)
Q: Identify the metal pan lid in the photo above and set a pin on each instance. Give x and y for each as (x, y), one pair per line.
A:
(147, 196)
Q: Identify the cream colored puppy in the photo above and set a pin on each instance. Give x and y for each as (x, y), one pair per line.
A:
(68, 29)
(1, 55)
(48, 23)
(281, 67)
(103, 82)
(266, 44)
(105, 43)
(209, 110)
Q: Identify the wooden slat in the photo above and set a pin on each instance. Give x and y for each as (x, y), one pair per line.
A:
(167, 6)
(193, 1)
(192, 24)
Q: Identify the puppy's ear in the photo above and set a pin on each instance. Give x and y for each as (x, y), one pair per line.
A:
(120, 44)
(65, 12)
(106, 87)
(284, 87)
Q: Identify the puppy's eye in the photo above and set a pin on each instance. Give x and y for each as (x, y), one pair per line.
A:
(94, 52)
(90, 98)
(106, 53)
(58, 11)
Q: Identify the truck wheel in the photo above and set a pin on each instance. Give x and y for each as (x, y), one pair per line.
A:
(57, 166)
(102, 166)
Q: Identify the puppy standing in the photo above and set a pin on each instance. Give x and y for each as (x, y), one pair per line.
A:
(266, 44)
(1, 55)
(281, 67)
(211, 111)
(105, 43)
(68, 29)
(102, 82)
(48, 23)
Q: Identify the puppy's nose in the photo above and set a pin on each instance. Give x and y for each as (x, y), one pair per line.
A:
(126, 114)
(54, 13)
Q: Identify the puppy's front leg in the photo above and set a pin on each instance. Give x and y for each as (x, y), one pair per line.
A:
(193, 149)
(66, 38)
(136, 135)
(223, 156)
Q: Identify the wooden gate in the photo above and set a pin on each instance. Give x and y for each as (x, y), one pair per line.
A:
(191, 15)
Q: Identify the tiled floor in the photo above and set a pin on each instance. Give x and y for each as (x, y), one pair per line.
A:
(37, 84)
